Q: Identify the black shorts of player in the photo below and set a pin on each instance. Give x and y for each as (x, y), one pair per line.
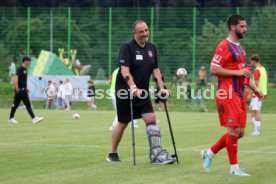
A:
(139, 107)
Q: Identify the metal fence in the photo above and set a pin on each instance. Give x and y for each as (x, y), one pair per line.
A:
(185, 37)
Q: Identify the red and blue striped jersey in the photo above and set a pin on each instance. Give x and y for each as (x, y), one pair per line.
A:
(231, 56)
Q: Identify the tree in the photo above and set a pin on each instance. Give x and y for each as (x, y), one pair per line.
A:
(260, 38)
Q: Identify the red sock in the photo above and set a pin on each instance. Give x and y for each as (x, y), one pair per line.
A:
(219, 144)
(232, 148)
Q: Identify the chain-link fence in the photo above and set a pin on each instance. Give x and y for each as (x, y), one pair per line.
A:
(185, 37)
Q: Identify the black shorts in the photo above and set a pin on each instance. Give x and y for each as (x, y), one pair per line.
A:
(139, 108)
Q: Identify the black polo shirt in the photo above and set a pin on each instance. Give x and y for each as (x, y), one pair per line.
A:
(141, 62)
(22, 77)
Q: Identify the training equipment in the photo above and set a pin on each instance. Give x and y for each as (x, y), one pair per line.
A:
(76, 116)
(207, 161)
(170, 126)
(132, 123)
(157, 154)
(239, 172)
(132, 129)
(181, 72)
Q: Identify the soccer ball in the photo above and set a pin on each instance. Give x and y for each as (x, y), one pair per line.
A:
(76, 116)
(181, 72)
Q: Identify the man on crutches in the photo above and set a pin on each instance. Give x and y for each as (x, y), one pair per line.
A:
(137, 61)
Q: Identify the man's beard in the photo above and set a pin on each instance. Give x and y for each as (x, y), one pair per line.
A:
(145, 39)
(239, 34)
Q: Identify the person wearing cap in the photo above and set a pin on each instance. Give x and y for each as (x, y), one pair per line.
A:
(21, 92)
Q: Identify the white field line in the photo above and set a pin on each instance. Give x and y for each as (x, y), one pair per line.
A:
(122, 147)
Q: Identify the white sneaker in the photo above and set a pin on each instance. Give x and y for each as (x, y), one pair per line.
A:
(37, 119)
(13, 121)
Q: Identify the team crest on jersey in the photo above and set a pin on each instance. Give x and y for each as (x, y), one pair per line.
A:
(150, 54)
(216, 58)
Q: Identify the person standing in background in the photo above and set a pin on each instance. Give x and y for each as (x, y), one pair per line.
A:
(60, 96)
(260, 80)
(68, 91)
(202, 77)
(91, 95)
(12, 72)
(51, 89)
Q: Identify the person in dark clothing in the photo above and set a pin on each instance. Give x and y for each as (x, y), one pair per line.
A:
(138, 61)
(21, 92)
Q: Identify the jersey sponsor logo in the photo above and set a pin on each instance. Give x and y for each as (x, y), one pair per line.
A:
(216, 58)
(24, 71)
(150, 54)
(122, 61)
(139, 57)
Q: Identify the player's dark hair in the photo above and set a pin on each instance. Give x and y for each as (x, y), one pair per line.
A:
(255, 57)
(26, 58)
(234, 20)
(135, 23)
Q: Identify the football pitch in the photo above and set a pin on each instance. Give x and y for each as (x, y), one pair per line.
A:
(61, 150)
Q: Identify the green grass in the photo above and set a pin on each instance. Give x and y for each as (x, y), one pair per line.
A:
(61, 150)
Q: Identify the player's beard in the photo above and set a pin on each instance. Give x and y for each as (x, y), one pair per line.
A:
(239, 34)
(145, 39)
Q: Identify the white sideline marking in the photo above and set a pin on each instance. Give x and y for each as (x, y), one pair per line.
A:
(124, 147)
